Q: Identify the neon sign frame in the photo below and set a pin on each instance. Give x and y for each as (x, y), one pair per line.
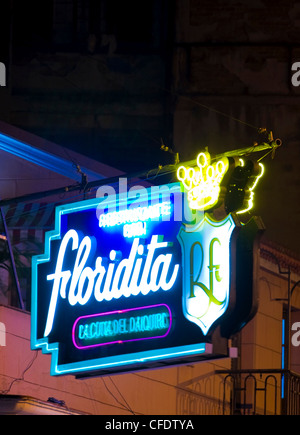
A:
(121, 312)
(178, 286)
(110, 363)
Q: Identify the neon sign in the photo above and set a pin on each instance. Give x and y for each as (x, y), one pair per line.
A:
(136, 214)
(206, 283)
(251, 189)
(122, 326)
(106, 299)
(228, 181)
(203, 183)
(128, 277)
(134, 220)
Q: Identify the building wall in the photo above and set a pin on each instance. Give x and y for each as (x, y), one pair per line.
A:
(90, 76)
(232, 76)
(152, 392)
(264, 340)
(224, 73)
(190, 389)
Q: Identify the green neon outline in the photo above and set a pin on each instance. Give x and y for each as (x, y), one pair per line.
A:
(198, 228)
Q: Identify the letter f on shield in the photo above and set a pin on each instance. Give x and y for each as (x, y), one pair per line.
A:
(206, 270)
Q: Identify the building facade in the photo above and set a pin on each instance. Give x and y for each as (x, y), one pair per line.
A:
(186, 75)
(259, 376)
(254, 380)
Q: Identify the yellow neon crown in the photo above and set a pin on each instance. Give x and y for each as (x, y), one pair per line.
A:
(203, 183)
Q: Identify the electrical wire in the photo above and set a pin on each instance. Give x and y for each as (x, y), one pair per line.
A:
(205, 106)
(219, 112)
(116, 399)
(80, 196)
(21, 378)
(128, 406)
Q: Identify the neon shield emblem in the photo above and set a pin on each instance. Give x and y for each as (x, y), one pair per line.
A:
(206, 261)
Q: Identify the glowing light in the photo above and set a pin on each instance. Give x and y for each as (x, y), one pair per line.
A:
(128, 277)
(43, 158)
(206, 262)
(203, 183)
(77, 272)
(251, 189)
(138, 214)
(135, 229)
(122, 326)
(128, 359)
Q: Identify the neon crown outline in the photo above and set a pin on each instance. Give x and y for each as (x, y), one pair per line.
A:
(203, 183)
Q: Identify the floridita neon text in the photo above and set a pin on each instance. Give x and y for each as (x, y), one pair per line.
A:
(143, 271)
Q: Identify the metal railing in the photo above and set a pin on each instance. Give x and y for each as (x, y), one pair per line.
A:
(266, 392)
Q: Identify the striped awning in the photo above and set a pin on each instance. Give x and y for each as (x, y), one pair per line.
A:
(29, 221)
(30, 215)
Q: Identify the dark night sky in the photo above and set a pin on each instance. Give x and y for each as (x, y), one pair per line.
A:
(113, 79)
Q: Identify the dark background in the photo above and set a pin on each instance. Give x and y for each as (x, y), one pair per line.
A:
(114, 80)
